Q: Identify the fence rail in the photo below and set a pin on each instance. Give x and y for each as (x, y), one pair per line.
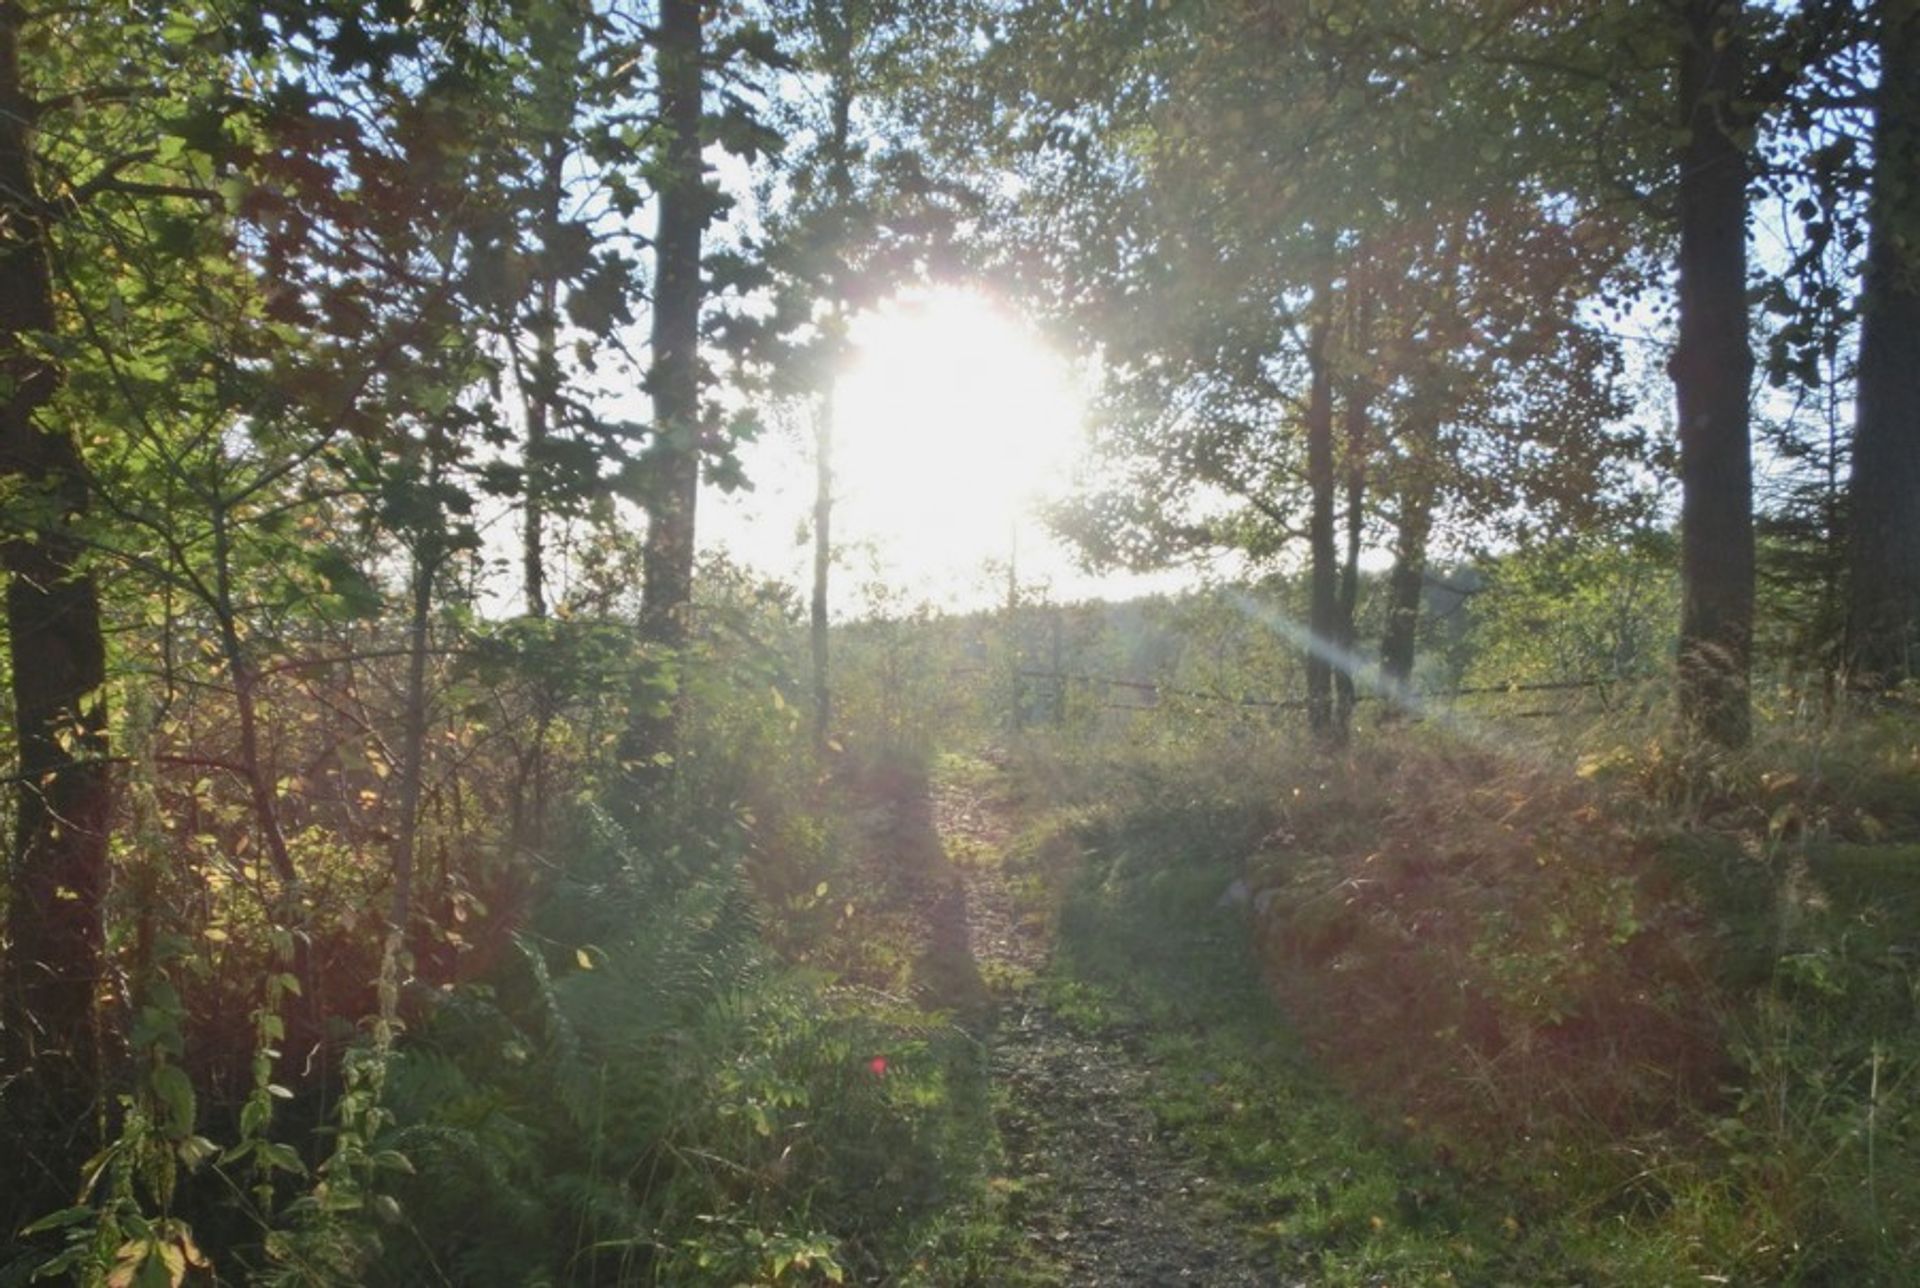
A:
(1156, 690)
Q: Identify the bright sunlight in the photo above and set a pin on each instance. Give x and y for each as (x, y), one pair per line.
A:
(954, 418)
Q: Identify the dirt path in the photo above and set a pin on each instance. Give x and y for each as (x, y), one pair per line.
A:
(1102, 1197)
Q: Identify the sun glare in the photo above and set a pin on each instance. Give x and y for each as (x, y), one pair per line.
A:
(953, 418)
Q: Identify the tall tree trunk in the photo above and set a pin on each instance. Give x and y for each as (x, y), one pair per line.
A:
(1323, 610)
(244, 676)
(837, 26)
(1710, 367)
(674, 379)
(1016, 690)
(1405, 582)
(1358, 405)
(1883, 618)
(822, 564)
(558, 43)
(413, 750)
(543, 396)
(63, 792)
(245, 680)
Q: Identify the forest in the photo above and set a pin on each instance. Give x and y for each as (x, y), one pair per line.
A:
(1479, 845)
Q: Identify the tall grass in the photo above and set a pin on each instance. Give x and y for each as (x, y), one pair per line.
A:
(1663, 995)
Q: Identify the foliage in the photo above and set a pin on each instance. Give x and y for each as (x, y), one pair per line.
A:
(1138, 858)
(1600, 610)
(388, 960)
(641, 1091)
(1652, 1014)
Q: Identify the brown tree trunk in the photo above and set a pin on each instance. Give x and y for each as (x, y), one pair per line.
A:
(822, 564)
(63, 792)
(840, 185)
(1359, 397)
(543, 396)
(1323, 610)
(1883, 618)
(245, 680)
(1710, 367)
(413, 749)
(1404, 585)
(674, 378)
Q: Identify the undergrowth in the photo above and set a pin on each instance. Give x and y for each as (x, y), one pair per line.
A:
(1598, 1010)
(1154, 946)
(658, 1089)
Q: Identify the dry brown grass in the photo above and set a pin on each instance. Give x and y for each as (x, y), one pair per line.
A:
(1484, 946)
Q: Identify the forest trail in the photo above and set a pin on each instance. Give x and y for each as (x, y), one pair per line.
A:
(1097, 1193)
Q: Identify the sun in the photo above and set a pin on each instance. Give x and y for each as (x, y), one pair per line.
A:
(953, 418)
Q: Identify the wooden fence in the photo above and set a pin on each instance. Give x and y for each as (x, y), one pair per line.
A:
(1153, 691)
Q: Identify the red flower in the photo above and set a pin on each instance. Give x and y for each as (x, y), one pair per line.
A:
(879, 1066)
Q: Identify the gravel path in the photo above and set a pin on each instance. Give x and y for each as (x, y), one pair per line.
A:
(1101, 1195)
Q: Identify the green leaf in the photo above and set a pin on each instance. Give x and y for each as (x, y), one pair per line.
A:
(173, 1091)
(282, 1156)
(358, 596)
(59, 1220)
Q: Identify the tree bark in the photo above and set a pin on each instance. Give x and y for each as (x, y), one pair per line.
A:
(543, 396)
(822, 564)
(674, 378)
(413, 750)
(1711, 365)
(1323, 609)
(1404, 585)
(1358, 405)
(63, 794)
(245, 679)
(1883, 617)
(838, 29)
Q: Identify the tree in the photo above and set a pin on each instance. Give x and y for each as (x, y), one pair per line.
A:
(1883, 621)
(1711, 366)
(63, 794)
(1299, 274)
(673, 379)
(561, 136)
(1323, 622)
(687, 428)
(850, 213)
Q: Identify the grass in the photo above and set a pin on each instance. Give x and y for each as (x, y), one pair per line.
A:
(1147, 953)
(1604, 1013)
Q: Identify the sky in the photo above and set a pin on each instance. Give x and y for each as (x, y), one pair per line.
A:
(955, 422)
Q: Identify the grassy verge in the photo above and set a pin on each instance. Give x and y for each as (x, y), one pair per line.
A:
(1147, 953)
(1607, 1014)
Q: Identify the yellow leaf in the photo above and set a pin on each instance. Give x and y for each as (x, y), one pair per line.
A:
(585, 958)
(128, 1258)
(191, 1251)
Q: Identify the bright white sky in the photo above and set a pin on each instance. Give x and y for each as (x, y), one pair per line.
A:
(953, 421)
